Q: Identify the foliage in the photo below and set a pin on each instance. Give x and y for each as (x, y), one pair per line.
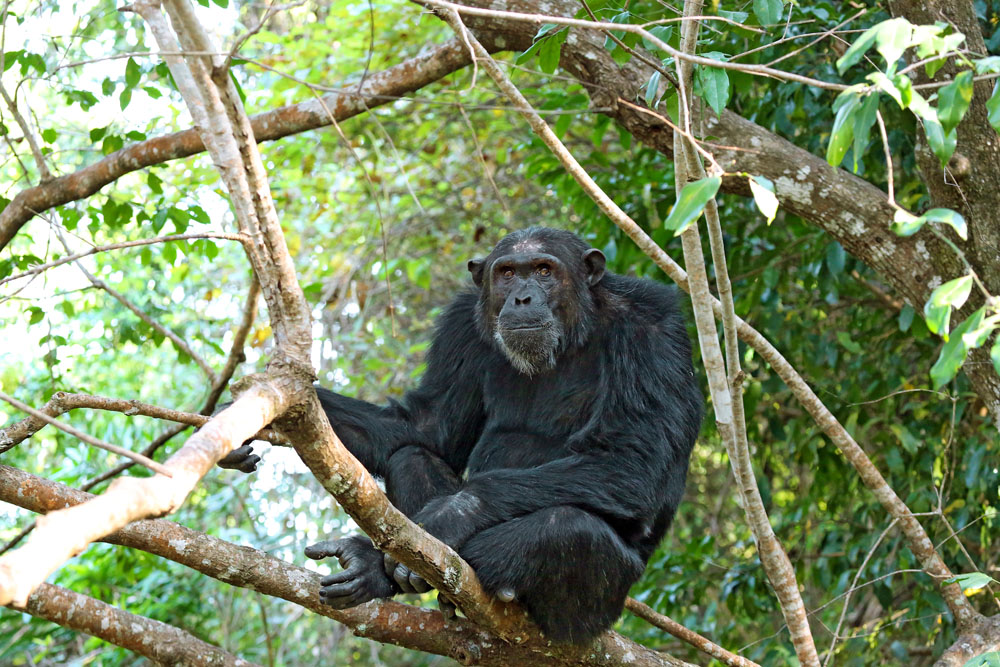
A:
(381, 226)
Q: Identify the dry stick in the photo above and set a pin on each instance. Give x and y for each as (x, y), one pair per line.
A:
(917, 538)
(117, 246)
(727, 398)
(61, 535)
(90, 440)
(691, 637)
(159, 642)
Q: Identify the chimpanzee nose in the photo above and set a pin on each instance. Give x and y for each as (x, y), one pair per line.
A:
(522, 301)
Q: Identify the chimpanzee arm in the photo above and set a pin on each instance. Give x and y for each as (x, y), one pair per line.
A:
(632, 464)
(443, 415)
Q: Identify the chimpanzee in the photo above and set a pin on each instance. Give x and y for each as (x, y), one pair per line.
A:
(547, 442)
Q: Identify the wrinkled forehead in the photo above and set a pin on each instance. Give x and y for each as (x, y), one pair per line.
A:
(522, 258)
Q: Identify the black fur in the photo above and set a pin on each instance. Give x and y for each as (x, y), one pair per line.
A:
(573, 472)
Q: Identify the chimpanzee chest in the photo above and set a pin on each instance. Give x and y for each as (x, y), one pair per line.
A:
(530, 419)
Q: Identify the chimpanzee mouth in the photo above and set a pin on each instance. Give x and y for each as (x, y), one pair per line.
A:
(530, 349)
(534, 327)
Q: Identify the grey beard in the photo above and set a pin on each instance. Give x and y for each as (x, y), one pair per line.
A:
(532, 353)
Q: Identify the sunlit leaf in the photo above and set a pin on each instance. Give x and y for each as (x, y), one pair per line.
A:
(991, 659)
(843, 129)
(971, 581)
(768, 12)
(691, 203)
(764, 197)
(893, 38)
(713, 84)
(948, 217)
(857, 49)
(993, 108)
(954, 352)
(952, 294)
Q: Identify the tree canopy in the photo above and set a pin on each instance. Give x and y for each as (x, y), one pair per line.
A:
(827, 175)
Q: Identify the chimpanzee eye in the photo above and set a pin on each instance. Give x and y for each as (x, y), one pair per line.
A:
(507, 273)
(544, 270)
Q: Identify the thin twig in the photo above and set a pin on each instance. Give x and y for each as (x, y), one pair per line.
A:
(90, 440)
(888, 157)
(667, 624)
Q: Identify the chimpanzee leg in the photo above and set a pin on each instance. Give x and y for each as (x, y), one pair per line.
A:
(568, 568)
(414, 476)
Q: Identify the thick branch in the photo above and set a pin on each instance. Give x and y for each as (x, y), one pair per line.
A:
(164, 644)
(63, 534)
(383, 621)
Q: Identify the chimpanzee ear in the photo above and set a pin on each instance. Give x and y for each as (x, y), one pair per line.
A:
(476, 269)
(593, 261)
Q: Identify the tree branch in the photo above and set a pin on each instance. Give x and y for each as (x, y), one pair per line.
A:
(378, 89)
(381, 620)
(63, 534)
(161, 643)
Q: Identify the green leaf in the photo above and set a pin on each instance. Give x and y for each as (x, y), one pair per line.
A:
(155, 183)
(942, 144)
(548, 55)
(937, 310)
(858, 49)
(764, 197)
(864, 119)
(768, 12)
(49, 135)
(990, 65)
(714, 85)
(691, 203)
(661, 32)
(993, 108)
(905, 223)
(843, 128)
(887, 86)
(971, 581)
(956, 349)
(893, 38)
(652, 88)
(132, 73)
(995, 354)
(836, 258)
(125, 98)
(37, 314)
(954, 100)
(844, 339)
(948, 217)
(906, 318)
(991, 659)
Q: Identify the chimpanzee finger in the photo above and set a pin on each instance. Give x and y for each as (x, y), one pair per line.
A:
(341, 589)
(389, 564)
(419, 584)
(446, 606)
(238, 459)
(341, 577)
(401, 575)
(324, 549)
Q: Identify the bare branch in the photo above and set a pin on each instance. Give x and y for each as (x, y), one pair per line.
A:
(89, 439)
(62, 534)
(236, 353)
(161, 643)
(704, 645)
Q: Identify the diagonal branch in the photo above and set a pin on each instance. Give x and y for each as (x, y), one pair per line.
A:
(383, 621)
(162, 643)
(63, 534)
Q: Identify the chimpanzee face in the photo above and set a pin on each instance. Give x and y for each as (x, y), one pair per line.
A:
(532, 292)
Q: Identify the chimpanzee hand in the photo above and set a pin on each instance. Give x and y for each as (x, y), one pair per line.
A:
(362, 578)
(448, 518)
(241, 458)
